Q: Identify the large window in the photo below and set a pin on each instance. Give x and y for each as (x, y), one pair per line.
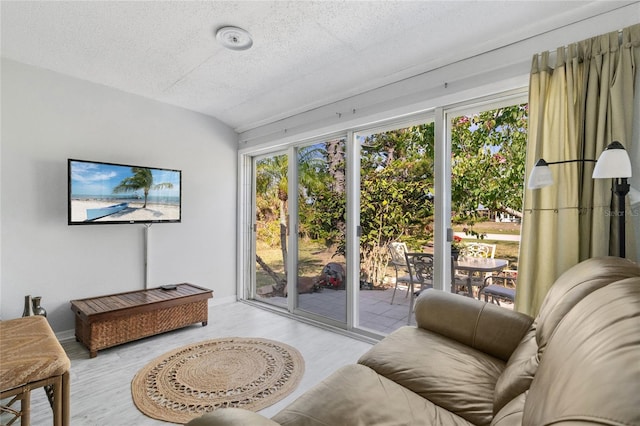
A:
(488, 148)
(327, 209)
(396, 206)
(271, 228)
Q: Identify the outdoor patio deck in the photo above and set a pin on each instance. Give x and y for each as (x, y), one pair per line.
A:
(376, 313)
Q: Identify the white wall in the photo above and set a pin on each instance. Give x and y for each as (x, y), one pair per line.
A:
(48, 118)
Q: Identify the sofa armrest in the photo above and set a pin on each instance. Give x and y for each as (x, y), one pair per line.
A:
(232, 416)
(489, 328)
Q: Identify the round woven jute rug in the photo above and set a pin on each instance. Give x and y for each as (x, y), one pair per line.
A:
(249, 373)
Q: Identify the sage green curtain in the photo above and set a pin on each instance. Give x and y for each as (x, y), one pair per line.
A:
(579, 102)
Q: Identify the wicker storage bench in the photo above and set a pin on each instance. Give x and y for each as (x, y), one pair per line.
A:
(106, 321)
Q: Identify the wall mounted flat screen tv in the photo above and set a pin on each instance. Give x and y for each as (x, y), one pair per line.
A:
(106, 193)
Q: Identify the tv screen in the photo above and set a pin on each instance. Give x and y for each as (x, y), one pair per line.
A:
(104, 193)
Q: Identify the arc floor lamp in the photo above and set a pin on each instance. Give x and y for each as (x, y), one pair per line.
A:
(613, 163)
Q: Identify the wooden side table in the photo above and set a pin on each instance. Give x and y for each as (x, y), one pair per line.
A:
(110, 320)
(31, 357)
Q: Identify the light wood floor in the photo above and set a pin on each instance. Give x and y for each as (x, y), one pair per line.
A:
(100, 387)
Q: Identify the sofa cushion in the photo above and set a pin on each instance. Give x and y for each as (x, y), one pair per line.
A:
(511, 413)
(517, 376)
(356, 395)
(568, 290)
(591, 369)
(448, 373)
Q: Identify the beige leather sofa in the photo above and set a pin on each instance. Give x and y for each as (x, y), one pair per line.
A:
(472, 363)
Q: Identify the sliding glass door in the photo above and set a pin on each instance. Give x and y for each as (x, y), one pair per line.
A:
(488, 148)
(321, 286)
(301, 227)
(396, 205)
(271, 228)
(325, 210)
(299, 230)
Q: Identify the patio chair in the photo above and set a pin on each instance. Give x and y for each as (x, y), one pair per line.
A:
(487, 251)
(479, 250)
(504, 291)
(458, 280)
(420, 266)
(397, 252)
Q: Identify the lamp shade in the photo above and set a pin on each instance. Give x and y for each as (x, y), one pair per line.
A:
(614, 162)
(540, 175)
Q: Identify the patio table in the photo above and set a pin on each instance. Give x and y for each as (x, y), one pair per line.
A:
(478, 264)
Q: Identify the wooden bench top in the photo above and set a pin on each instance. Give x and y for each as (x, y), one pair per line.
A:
(112, 303)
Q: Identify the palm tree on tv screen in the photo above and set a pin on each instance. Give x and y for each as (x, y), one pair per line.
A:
(141, 179)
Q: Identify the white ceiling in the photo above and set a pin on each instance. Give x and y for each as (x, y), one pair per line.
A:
(305, 53)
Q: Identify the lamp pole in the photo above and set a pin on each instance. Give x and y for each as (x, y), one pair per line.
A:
(621, 189)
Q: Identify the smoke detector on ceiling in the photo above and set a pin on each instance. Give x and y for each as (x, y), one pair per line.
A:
(234, 38)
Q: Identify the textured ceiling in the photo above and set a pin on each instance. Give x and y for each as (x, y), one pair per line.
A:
(305, 53)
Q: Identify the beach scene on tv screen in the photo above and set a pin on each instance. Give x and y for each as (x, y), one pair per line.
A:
(115, 193)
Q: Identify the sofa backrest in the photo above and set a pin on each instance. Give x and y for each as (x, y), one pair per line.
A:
(590, 372)
(569, 290)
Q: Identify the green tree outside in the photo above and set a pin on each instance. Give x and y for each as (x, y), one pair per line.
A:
(396, 174)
